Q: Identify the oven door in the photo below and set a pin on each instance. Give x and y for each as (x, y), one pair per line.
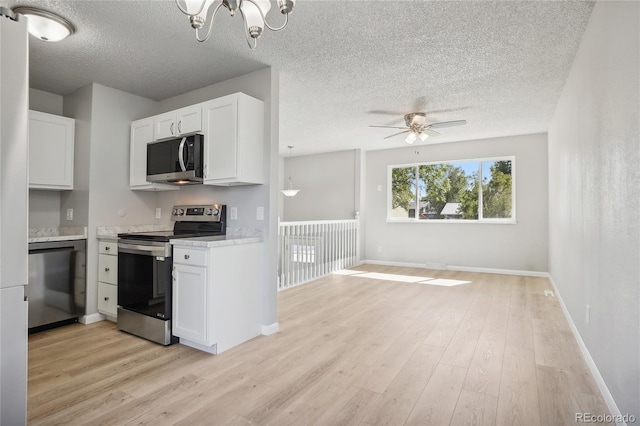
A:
(144, 279)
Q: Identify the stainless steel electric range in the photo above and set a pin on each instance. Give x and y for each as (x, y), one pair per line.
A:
(145, 264)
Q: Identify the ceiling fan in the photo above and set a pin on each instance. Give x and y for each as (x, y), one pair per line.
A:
(417, 127)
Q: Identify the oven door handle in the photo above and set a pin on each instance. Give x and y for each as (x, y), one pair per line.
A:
(144, 250)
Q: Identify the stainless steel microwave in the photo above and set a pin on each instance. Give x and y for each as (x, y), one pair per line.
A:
(176, 161)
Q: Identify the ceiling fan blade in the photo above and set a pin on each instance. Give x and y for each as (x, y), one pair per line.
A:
(396, 134)
(430, 132)
(447, 124)
(385, 112)
(391, 127)
(441, 111)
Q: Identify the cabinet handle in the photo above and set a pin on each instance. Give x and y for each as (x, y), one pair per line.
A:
(107, 248)
(179, 126)
(106, 269)
(171, 128)
(106, 299)
(186, 256)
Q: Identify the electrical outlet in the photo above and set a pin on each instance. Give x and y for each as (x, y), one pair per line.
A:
(379, 249)
(69, 214)
(587, 314)
(379, 188)
(260, 213)
(233, 212)
(158, 212)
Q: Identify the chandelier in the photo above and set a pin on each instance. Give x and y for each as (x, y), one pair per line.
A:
(253, 14)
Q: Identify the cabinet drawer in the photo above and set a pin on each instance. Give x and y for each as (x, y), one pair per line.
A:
(108, 268)
(108, 247)
(190, 256)
(107, 299)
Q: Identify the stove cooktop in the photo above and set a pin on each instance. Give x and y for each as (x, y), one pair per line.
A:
(201, 220)
(165, 236)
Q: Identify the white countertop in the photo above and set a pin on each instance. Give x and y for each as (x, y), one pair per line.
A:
(111, 232)
(56, 238)
(39, 235)
(215, 241)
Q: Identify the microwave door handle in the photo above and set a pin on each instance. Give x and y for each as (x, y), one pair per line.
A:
(180, 156)
(190, 154)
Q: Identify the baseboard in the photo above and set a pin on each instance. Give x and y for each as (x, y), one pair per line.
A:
(90, 319)
(604, 390)
(387, 263)
(462, 268)
(270, 329)
(498, 271)
(213, 350)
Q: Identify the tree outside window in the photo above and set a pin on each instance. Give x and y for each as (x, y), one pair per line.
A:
(461, 190)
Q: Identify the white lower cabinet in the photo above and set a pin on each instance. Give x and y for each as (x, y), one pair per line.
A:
(108, 278)
(216, 297)
(190, 303)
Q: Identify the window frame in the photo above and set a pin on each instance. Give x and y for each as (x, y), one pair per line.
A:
(502, 221)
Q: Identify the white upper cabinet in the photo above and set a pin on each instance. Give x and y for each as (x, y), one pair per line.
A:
(233, 128)
(179, 122)
(141, 135)
(51, 144)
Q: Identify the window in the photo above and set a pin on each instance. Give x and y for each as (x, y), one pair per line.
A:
(467, 190)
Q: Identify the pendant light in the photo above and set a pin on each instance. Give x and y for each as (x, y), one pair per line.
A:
(290, 192)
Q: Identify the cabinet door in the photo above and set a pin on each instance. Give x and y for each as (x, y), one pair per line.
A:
(189, 315)
(164, 126)
(141, 135)
(108, 268)
(189, 119)
(221, 138)
(51, 143)
(108, 299)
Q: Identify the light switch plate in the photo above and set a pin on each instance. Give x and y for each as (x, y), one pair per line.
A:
(69, 214)
(233, 212)
(260, 213)
(158, 212)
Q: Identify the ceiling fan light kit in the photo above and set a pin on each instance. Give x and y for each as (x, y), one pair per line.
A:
(253, 13)
(417, 127)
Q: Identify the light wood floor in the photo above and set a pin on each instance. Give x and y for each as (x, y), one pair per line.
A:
(351, 350)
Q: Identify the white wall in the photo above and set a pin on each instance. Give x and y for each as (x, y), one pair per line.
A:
(44, 209)
(328, 184)
(594, 163)
(101, 194)
(519, 247)
(263, 85)
(45, 102)
(78, 105)
(44, 206)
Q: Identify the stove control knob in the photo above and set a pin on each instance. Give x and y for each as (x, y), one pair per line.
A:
(178, 212)
(212, 212)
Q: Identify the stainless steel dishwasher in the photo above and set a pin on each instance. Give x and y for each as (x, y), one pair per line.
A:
(57, 283)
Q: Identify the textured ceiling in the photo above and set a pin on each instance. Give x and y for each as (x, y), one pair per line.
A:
(343, 65)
